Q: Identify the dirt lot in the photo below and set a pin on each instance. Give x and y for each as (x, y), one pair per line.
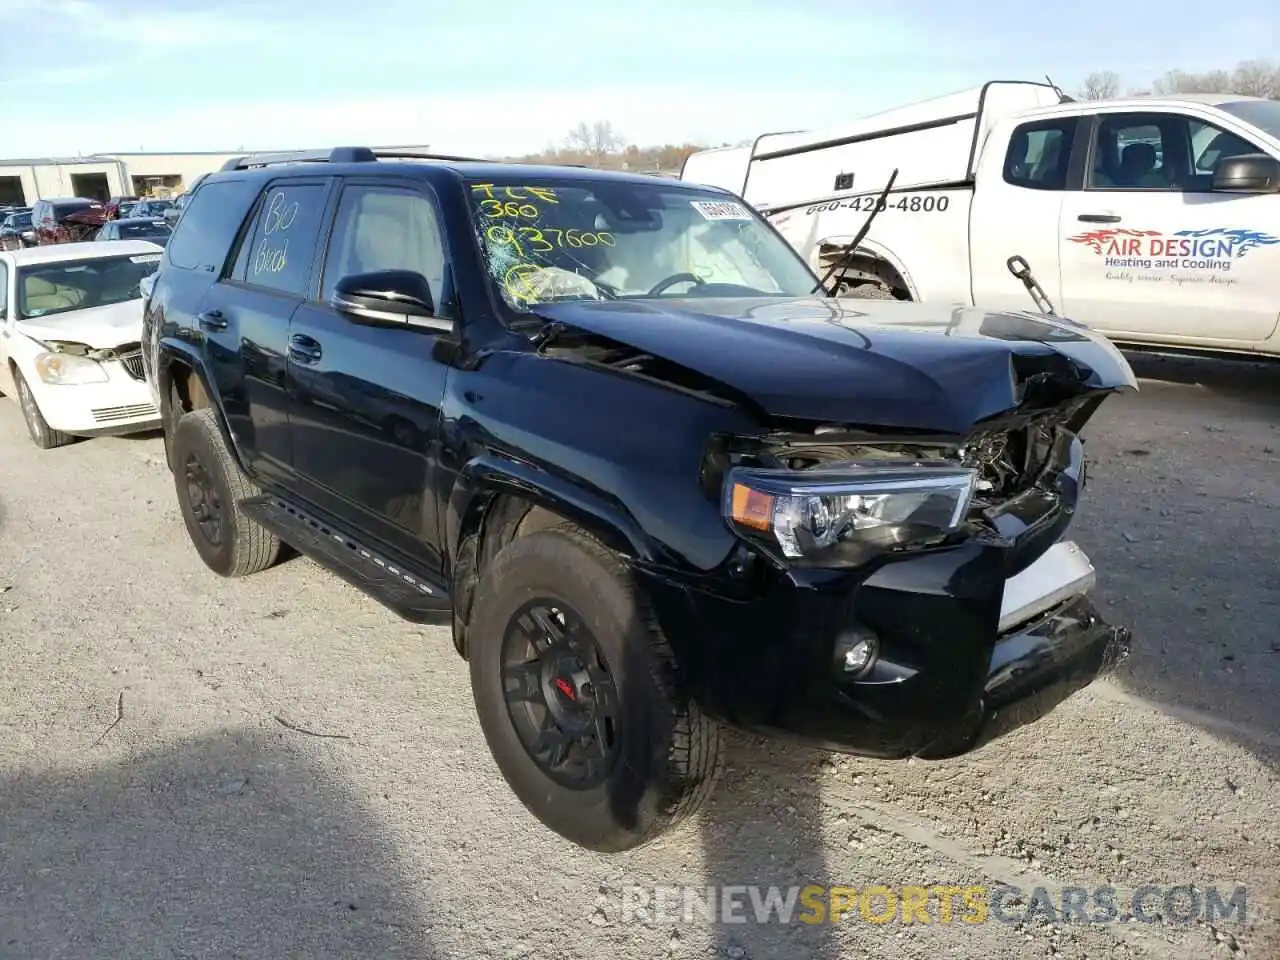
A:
(200, 825)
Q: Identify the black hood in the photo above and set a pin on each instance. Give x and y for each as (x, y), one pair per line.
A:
(912, 366)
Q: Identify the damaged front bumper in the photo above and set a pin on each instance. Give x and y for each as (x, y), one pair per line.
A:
(948, 656)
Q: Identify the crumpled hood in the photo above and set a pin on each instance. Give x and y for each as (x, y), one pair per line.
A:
(97, 327)
(914, 366)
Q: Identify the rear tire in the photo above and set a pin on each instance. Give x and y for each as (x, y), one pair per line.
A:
(42, 435)
(211, 487)
(604, 694)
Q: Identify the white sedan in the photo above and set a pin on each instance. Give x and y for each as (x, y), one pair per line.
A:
(70, 331)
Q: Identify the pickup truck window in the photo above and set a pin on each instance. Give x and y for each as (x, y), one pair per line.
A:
(1165, 151)
(559, 239)
(384, 228)
(1039, 153)
(1263, 114)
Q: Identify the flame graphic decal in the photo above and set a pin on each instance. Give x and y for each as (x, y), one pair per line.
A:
(1097, 238)
(1245, 240)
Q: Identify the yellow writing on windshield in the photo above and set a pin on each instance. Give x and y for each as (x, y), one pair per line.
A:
(494, 192)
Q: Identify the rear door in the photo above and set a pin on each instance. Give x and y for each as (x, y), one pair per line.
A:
(1016, 205)
(1150, 253)
(245, 317)
(366, 399)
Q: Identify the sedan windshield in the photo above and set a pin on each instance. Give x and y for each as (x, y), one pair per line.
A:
(45, 289)
(560, 239)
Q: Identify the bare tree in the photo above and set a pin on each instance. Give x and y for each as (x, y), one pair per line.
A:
(1180, 81)
(1100, 85)
(594, 141)
(1257, 78)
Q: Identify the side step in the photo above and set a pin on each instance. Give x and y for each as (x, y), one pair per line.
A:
(408, 594)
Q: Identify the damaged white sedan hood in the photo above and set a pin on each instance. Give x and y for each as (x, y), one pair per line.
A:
(98, 328)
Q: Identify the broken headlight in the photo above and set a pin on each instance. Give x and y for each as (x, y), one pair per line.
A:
(69, 369)
(842, 514)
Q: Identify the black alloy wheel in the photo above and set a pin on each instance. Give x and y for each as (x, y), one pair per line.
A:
(204, 501)
(560, 695)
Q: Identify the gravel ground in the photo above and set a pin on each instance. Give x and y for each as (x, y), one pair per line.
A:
(200, 825)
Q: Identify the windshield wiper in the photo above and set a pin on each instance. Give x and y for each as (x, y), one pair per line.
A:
(845, 260)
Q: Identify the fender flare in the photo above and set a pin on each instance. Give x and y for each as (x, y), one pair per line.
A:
(873, 248)
(488, 475)
(172, 351)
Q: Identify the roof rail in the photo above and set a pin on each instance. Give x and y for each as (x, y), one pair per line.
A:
(336, 155)
(411, 155)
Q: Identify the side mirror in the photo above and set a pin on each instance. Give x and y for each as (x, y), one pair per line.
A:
(1247, 173)
(398, 298)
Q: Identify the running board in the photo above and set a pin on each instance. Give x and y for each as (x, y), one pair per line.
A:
(408, 594)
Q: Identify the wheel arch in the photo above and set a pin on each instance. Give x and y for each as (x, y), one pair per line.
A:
(871, 259)
(182, 374)
(497, 500)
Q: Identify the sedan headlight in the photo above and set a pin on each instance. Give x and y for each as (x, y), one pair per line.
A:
(842, 514)
(68, 369)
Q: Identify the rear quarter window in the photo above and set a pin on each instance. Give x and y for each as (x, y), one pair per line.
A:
(208, 227)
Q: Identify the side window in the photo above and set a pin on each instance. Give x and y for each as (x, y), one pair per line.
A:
(4, 291)
(1209, 144)
(209, 225)
(282, 247)
(1039, 154)
(385, 228)
(1133, 151)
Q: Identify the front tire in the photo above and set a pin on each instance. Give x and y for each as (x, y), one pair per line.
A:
(42, 435)
(580, 697)
(211, 487)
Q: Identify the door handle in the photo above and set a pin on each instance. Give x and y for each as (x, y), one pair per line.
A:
(304, 349)
(1098, 218)
(212, 320)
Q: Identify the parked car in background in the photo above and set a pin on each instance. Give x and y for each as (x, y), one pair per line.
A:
(154, 229)
(121, 206)
(67, 220)
(16, 231)
(70, 332)
(1152, 220)
(150, 207)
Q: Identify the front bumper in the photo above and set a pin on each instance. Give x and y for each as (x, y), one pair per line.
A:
(964, 654)
(120, 405)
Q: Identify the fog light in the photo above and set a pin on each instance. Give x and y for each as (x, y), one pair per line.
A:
(856, 651)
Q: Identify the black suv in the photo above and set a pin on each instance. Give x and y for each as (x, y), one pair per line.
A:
(601, 424)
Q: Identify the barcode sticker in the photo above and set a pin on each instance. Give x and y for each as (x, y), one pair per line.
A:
(721, 210)
(145, 258)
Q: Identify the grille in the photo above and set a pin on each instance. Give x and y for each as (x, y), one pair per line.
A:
(132, 363)
(127, 412)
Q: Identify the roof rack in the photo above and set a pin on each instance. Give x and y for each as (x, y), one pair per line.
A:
(336, 155)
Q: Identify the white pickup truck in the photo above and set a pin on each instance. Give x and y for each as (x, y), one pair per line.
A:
(1153, 220)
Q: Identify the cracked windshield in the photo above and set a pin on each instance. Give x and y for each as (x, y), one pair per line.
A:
(559, 240)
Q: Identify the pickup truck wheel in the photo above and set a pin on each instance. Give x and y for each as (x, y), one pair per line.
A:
(42, 435)
(579, 695)
(210, 487)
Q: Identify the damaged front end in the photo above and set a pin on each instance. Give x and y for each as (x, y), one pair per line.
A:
(899, 593)
(128, 355)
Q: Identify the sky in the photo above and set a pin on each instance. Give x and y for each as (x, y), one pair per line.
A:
(502, 77)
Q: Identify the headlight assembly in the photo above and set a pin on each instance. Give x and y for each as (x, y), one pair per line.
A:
(68, 369)
(842, 514)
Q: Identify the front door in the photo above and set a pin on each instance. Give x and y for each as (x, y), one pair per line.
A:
(366, 399)
(1150, 253)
